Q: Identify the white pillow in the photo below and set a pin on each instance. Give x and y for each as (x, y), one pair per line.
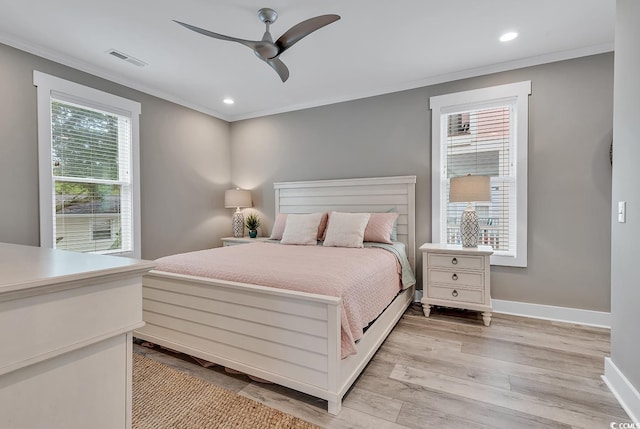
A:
(346, 229)
(301, 229)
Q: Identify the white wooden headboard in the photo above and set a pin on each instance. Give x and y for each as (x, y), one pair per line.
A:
(368, 195)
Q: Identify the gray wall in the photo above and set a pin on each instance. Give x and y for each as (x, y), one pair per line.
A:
(570, 129)
(185, 160)
(625, 287)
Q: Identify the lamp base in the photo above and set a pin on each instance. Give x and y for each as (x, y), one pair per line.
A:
(469, 228)
(238, 224)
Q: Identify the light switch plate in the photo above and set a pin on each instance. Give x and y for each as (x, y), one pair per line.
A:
(622, 211)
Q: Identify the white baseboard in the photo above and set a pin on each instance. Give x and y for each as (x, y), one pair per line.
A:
(549, 312)
(622, 389)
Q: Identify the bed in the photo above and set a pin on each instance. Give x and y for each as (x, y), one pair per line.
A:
(271, 333)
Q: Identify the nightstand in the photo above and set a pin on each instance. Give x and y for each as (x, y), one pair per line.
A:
(233, 241)
(456, 276)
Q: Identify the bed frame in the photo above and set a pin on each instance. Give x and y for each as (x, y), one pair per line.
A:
(287, 337)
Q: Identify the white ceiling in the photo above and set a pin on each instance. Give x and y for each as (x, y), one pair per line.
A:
(373, 49)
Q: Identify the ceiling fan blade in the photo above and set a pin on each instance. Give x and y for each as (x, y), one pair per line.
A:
(303, 29)
(279, 67)
(249, 43)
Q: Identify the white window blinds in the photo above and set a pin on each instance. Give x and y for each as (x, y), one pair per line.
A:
(90, 154)
(478, 142)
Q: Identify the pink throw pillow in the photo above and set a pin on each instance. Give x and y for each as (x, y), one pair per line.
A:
(380, 227)
(278, 227)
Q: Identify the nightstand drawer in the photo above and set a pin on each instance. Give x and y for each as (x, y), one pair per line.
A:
(455, 261)
(465, 278)
(456, 294)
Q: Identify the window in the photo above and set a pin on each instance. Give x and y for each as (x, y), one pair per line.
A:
(88, 164)
(483, 132)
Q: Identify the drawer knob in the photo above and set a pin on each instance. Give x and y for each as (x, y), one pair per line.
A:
(454, 293)
(454, 261)
(454, 276)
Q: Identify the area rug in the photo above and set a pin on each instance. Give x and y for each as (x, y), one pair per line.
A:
(165, 398)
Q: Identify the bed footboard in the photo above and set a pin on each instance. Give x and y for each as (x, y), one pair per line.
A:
(287, 337)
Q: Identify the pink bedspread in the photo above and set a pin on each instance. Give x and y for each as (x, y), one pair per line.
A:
(366, 279)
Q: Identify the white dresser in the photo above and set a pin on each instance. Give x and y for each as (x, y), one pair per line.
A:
(456, 276)
(66, 322)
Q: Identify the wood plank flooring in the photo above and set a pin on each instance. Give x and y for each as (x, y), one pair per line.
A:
(449, 370)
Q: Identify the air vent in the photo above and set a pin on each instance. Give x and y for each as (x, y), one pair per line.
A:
(127, 58)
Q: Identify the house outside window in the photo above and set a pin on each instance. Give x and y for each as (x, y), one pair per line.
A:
(458, 124)
(102, 229)
(88, 156)
(483, 132)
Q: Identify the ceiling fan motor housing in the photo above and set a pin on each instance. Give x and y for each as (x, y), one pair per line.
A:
(267, 15)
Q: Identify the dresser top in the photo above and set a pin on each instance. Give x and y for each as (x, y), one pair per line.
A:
(25, 267)
(456, 248)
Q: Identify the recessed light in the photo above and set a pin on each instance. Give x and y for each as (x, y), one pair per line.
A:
(508, 36)
(228, 101)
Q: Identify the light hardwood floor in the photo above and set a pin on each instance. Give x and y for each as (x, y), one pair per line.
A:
(449, 370)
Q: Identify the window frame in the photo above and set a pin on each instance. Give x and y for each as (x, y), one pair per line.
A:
(48, 86)
(474, 99)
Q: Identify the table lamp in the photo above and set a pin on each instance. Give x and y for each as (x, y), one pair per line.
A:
(469, 189)
(238, 198)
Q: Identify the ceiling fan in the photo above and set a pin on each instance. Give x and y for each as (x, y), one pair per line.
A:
(268, 50)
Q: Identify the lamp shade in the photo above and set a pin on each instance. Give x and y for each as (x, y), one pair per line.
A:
(237, 198)
(467, 189)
